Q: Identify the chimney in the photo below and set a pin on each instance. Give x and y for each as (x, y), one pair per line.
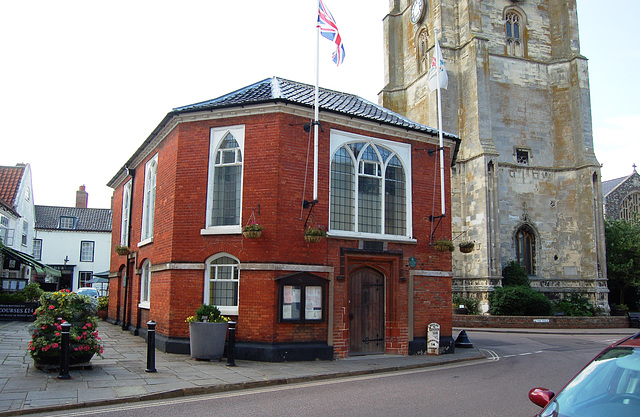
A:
(82, 197)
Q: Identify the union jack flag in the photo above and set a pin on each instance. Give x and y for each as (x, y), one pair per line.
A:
(329, 29)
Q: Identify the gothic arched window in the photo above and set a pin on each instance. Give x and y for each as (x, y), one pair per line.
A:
(525, 249)
(514, 30)
(630, 207)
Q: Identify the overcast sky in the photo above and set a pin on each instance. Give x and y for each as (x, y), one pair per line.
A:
(83, 83)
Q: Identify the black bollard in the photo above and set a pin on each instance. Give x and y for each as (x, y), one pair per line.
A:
(63, 371)
(231, 360)
(151, 346)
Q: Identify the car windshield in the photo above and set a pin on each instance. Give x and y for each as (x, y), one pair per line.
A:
(608, 387)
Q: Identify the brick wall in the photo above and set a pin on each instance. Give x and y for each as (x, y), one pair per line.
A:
(560, 322)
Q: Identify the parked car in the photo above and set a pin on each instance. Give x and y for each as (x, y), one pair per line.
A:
(609, 386)
(91, 292)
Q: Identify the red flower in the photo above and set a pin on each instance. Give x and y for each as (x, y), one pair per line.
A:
(55, 345)
(51, 307)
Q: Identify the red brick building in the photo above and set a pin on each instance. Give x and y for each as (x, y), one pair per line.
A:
(372, 285)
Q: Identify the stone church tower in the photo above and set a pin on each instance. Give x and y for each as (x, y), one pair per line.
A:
(526, 183)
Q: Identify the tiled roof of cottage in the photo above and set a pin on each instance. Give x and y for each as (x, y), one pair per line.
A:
(279, 89)
(10, 178)
(86, 219)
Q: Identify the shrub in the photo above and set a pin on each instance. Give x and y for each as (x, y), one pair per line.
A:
(471, 304)
(575, 305)
(514, 274)
(30, 293)
(103, 303)
(211, 312)
(56, 308)
(519, 301)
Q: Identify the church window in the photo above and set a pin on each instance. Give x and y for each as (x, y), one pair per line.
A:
(525, 249)
(522, 156)
(369, 187)
(630, 207)
(514, 29)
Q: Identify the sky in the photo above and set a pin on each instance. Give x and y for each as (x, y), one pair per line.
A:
(84, 83)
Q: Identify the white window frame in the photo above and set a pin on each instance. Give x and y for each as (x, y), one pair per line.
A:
(87, 251)
(25, 233)
(149, 200)
(145, 285)
(403, 152)
(87, 275)
(217, 135)
(224, 310)
(126, 214)
(37, 249)
(66, 223)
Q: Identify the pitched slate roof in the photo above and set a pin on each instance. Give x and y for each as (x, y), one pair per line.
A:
(610, 185)
(10, 178)
(277, 89)
(87, 219)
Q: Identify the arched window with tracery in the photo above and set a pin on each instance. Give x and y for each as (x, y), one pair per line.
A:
(514, 23)
(630, 207)
(525, 249)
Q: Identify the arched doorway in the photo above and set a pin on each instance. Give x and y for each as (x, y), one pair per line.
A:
(366, 312)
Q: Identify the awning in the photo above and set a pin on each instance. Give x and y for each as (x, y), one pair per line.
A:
(41, 269)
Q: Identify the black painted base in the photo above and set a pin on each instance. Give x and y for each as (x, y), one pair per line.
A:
(283, 352)
(418, 346)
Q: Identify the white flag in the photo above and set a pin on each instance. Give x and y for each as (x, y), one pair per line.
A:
(437, 73)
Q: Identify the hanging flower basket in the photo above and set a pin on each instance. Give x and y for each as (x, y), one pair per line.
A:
(252, 234)
(467, 247)
(314, 234)
(444, 246)
(252, 230)
(312, 238)
(122, 250)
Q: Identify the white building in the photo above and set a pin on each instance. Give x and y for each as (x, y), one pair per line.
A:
(74, 240)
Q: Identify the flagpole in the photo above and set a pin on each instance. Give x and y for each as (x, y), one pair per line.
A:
(441, 141)
(315, 116)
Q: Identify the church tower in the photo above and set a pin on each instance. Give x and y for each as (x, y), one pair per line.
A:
(526, 182)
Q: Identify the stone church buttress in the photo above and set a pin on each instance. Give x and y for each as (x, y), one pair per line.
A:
(526, 183)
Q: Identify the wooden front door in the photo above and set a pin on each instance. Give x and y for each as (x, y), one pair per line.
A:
(366, 312)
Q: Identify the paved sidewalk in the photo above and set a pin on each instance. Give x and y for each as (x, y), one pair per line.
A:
(119, 376)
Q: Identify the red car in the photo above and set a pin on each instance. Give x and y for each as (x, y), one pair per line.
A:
(609, 386)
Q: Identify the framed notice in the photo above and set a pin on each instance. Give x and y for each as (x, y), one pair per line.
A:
(301, 298)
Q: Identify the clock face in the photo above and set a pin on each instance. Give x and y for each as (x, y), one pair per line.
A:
(417, 10)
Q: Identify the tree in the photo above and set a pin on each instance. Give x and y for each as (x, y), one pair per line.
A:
(623, 256)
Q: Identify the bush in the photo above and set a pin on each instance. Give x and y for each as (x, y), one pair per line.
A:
(212, 313)
(103, 303)
(471, 304)
(519, 301)
(30, 293)
(513, 274)
(575, 305)
(56, 308)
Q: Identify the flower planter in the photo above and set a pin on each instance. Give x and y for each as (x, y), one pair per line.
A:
(252, 234)
(122, 250)
(466, 249)
(52, 358)
(312, 238)
(206, 340)
(444, 246)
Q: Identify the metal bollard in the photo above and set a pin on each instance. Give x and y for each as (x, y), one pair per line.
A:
(63, 371)
(231, 360)
(151, 346)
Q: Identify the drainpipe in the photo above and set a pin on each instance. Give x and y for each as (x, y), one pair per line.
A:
(125, 325)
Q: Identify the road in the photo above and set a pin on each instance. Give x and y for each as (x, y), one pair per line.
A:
(497, 386)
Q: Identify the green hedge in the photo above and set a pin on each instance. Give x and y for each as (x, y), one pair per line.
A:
(519, 301)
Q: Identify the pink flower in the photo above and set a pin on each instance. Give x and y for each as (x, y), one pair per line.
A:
(51, 307)
(55, 345)
(79, 337)
(101, 350)
(57, 333)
